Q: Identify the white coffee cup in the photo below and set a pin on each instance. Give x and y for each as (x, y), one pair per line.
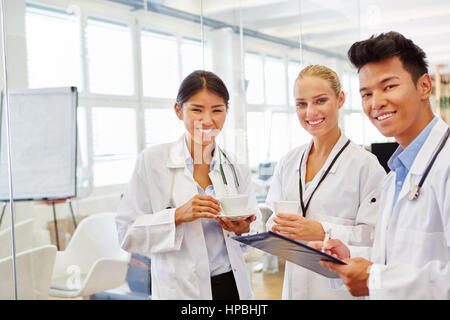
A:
(234, 204)
(286, 206)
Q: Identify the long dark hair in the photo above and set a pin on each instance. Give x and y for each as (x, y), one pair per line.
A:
(199, 80)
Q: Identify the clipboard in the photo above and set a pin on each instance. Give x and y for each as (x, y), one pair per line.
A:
(294, 251)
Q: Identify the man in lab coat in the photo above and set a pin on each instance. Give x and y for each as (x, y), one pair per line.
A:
(410, 258)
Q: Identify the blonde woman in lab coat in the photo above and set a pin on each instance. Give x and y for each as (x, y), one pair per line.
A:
(333, 179)
(170, 210)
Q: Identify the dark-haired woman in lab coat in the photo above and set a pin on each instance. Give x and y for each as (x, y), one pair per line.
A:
(170, 209)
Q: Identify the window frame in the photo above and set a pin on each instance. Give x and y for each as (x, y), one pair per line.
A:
(137, 21)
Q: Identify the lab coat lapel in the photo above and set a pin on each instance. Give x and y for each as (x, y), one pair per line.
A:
(389, 214)
(411, 180)
(337, 147)
(422, 160)
(216, 177)
(386, 199)
(219, 187)
(176, 154)
(429, 148)
(184, 186)
(306, 191)
(184, 189)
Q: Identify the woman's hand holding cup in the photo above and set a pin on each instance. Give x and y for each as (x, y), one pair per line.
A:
(199, 206)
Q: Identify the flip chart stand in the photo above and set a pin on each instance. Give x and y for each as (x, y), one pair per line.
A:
(74, 221)
(48, 202)
(3, 211)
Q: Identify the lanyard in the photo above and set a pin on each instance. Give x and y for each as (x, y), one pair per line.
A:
(414, 193)
(305, 208)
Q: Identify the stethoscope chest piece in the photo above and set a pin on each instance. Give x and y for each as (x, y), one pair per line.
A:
(414, 193)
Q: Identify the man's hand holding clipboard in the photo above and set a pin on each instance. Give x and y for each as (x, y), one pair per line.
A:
(354, 273)
(291, 250)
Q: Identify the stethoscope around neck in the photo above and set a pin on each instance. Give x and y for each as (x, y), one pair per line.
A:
(415, 191)
(222, 174)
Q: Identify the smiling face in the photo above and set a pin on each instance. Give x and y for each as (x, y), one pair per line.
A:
(317, 105)
(394, 104)
(204, 115)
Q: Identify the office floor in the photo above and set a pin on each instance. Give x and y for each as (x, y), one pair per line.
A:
(268, 286)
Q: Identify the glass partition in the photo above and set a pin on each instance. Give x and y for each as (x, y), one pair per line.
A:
(101, 78)
(126, 60)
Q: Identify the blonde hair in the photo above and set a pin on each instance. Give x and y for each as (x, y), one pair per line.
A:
(324, 73)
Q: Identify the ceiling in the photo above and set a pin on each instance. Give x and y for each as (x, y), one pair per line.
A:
(333, 25)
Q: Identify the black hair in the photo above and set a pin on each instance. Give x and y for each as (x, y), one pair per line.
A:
(199, 80)
(387, 45)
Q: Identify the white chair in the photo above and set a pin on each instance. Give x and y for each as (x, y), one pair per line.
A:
(23, 238)
(92, 262)
(34, 269)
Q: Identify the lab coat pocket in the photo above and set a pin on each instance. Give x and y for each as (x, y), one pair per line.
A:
(165, 281)
(415, 246)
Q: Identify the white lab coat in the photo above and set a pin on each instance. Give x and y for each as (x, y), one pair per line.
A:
(180, 266)
(342, 203)
(411, 249)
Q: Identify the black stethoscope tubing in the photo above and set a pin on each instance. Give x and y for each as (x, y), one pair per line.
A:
(222, 173)
(415, 191)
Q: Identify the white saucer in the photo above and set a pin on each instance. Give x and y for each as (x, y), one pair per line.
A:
(244, 215)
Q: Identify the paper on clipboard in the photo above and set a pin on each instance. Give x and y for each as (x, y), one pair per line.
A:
(291, 250)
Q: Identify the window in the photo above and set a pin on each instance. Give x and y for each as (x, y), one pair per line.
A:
(350, 86)
(360, 130)
(279, 135)
(354, 127)
(356, 96)
(192, 56)
(161, 126)
(345, 84)
(299, 135)
(294, 68)
(53, 48)
(270, 135)
(84, 176)
(159, 64)
(372, 134)
(114, 144)
(256, 138)
(82, 136)
(255, 78)
(110, 57)
(275, 81)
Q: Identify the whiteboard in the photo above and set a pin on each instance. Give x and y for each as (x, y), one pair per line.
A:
(43, 144)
